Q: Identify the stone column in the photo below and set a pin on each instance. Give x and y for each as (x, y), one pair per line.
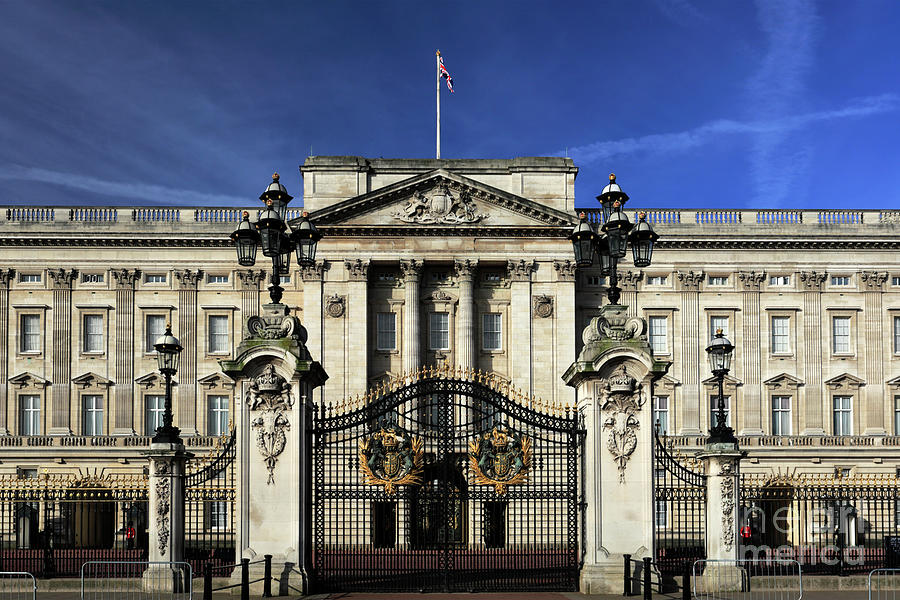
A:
(61, 352)
(690, 360)
(412, 337)
(613, 377)
(811, 283)
(467, 330)
(248, 281)
(123, 415)
(313, 314)
(873, 326)
(186, 407)
(750, 350)
(628, 281)
(6, 275)
(166, 523)
(357, 307)
(722, 527)
(520, 361)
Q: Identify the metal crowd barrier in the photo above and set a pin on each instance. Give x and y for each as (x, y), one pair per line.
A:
(747, 579)
(245, 563)
(136, 580)
(17, 585)
(883, 584)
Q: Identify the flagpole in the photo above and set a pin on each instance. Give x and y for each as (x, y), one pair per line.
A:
(437, 95)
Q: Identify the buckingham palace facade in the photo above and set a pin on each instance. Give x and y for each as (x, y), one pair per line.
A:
(463, 263)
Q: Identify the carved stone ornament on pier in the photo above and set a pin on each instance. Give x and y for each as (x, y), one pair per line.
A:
(275, 323)
(543, 306)
(439, 205)
(163, 493)
(620, 401)
(334, 306)
(270, 395)
(728, 506)
(615, 324)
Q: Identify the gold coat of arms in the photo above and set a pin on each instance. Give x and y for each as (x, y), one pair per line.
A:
(391, 457)
(500, 458)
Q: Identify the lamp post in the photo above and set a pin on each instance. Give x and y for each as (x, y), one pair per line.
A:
(720, 351)
(612, 244)
(272, 232)
(167, 349)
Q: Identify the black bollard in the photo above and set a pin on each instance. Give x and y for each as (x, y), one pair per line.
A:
(245, 579)
(648, 593)
(267, 577)
(627, 591)
(207, 583)
(686, 582)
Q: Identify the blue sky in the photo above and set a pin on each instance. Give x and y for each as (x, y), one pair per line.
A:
(768, 104)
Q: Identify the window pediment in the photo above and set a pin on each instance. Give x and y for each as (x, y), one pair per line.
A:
(783, 381)
(216, 380)
(845, 382)
(89, 380)
(153, 381)
(28, 380)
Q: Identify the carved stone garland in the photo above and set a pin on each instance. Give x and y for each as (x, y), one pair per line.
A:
(163, 504)
(620, 401)
(270, 395)
(727, 506)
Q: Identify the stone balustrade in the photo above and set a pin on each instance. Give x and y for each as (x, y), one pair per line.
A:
(98, 441)
(764, 441)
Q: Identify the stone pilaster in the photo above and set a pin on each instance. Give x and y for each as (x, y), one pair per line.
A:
(412, 337)
(872, 283)
(520, 361)
(628, 281)
(186, 408)
(357, 309)
(61, 352)
(722, 519)
(248, 282)
(749, 353)
(123, 369)
(690, 360)
(6, 275)
(166, 512)
(466, 332)
(811, 284)
(313, 314)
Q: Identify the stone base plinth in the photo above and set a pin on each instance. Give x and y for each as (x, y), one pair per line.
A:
(720, 578)
(166, 578)
(608, 577)
(288, 578)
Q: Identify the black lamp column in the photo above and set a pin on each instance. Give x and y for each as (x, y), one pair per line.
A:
(720, 351)
(167, 349)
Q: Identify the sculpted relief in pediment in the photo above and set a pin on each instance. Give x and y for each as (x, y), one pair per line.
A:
(439, 205)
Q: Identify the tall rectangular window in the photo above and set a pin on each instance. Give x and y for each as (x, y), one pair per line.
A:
(439, 332)
(29, 414)
(217, 419)
(153, 419)
(840, 335)
(843, 415)
(494, 524)
(155, 327)
(491, 330)
(217, 515)
(896, 335)
(717, 323)
(896, 415)
(218, 334)
(781, 335)
(658, 335)
(386, 337)
(661, 414)
(714, 409)
(30, 330)
(92, 333)
(781, 415)
(92, 414)
(662, 514)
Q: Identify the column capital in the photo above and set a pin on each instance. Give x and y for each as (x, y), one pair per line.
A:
(357, 270)
(62, 278)
(465, 269)
(6, 276)
(313, 272)
(411, 269)
(751, 280)
(125, 278)
(249, 279)
(565, 270)
(629, 280)
(188, 279)
(811, 281)
(872, 281)
(690, 281)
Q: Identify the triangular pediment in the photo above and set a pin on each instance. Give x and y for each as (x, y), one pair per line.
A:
(91, 380)
(153, 379)
(728, 381)
(217, 379)
(895, 382)
(441, 199)
(26, 379)
(783, 381)
(844, 380)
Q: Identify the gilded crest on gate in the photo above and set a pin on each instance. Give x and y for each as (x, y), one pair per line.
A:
(391, 457)
(500, 458)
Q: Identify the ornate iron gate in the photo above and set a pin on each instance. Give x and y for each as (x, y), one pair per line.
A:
(679, 511)
(209, 534)
(446, 481)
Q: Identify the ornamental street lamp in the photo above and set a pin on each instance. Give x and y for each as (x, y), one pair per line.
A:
(271, 231)
(611, 245)
(167, 350)
(720, 351)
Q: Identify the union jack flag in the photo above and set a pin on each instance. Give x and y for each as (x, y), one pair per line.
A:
(445, 74)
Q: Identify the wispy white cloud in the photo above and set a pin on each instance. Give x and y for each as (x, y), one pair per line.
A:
(149, 193)
(680, 11)
(706, 133)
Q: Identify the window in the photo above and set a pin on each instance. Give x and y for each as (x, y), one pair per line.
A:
(714, 409)
(494, 524)
(662, 514)
(717, 323)
(384, 524)
(92, 333)
(386, 277)
(843, 421)
(779, 280)
(717, 280)
(92, 278)
(896, 335)
(218, 334)
(895, 281)
(439, 276)
(29, 414)
(386, 331)
(840, 335)
(897, 416)
(284, 280)
(154, 417)
(30, 278)
(217, 515)
(217, 279)
(217, 420)
(840, 280)
(495, 276)
(657, 279)
(491, 340)
(658, 335)
(92, 415)
(155, 278)
(595, 280)
(661, 414)
(30, 328)
(156, 326)
(781, 335)
(439, 338)
(781, 415)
